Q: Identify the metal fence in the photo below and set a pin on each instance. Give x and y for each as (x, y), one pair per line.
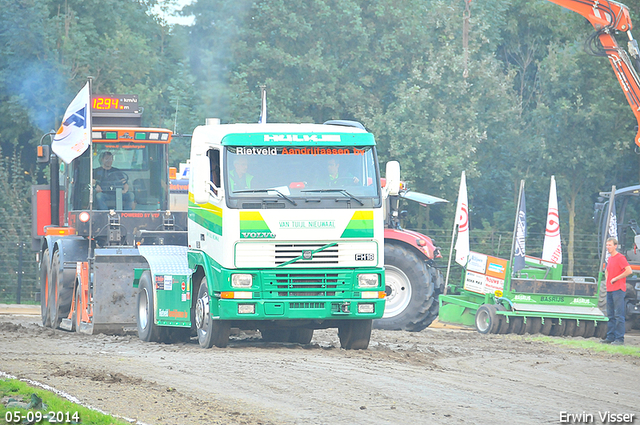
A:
(18, 273)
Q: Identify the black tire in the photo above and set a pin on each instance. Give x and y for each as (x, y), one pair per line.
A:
(145, 317)
(210, 332)
(581, 327)
(487, 320)
(503, 327)
(355, 334)
(516, 325)
(601, 330)
(60, 292)
(570, 328)
(533, 325)
(301, 335)
(602, 296)
(276, 334)
(558, 327)
(546, 326)
(589, 329)
(412, 303)
(44, 288)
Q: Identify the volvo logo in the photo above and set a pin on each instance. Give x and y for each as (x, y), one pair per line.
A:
(307, 255)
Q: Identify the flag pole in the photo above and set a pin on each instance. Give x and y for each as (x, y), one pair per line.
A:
(89, 81)
(515, 226)
(453, 232)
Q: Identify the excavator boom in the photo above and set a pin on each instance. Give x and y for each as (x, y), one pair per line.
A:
(607, 17)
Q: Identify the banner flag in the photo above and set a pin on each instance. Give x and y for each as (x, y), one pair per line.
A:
(552, 248)
(521, 235)
(74, 135)
(462, 221)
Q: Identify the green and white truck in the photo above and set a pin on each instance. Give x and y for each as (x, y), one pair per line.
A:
(285, 235)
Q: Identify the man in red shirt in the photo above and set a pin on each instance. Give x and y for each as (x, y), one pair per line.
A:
(616, 273)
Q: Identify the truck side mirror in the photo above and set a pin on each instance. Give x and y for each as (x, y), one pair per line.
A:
(200, 179)
(392, 175)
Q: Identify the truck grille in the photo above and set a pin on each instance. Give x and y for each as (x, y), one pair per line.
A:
(287, 252)
(305, 285)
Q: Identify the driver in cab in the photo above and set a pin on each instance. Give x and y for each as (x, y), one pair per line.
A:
(106, 179)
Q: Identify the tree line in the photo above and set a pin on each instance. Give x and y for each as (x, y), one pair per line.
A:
(502, 89)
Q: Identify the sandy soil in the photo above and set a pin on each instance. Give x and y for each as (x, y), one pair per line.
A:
(434, 376)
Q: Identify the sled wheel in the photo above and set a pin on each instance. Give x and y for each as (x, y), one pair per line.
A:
(533, 325)
(570, 328)
(581, 326)
(44, 288)
(503, 325)
(546, 326)
(558, 328)
(355, 334)
(516, 325)
(147, 329)
(601, 329)
(301, 335)
(411, 303)
(210, 332)
(487, 321)
(589, 329)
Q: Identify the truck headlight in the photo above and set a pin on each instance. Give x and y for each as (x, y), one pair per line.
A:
(241, 280)
(368, 280)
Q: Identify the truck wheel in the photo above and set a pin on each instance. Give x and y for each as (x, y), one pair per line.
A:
(210, 332)
(301, 335)
(355, 334)
(147, 329)
(44, 288)
(410, 304)
(60, 294)
(487, 320)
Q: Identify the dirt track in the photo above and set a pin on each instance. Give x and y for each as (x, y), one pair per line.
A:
(434, 376)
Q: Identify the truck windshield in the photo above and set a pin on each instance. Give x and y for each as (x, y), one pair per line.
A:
(301, 177)
(127, 176)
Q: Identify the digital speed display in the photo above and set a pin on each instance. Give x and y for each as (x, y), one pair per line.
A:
(115, 103)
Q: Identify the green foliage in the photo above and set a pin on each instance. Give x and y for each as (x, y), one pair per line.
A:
(12, 389)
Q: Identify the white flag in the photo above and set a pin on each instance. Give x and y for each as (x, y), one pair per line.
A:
(462, 221)
(552, 248)
(74, 135)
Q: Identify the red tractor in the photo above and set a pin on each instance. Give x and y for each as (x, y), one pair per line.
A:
(413, 283)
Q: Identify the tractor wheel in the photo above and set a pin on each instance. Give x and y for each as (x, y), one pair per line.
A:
(589, 329)
(301, 335)
(355, 334)
(412, 303)
(210, 332)
(533, 325)
(44, 288)
(487, 321)
(60, 293)
(558, 329)
(602, 296)
(570, 327)
(276, 334)
(147, 329)
(546, 326)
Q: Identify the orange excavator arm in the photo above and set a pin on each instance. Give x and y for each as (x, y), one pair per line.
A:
(606, 17)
